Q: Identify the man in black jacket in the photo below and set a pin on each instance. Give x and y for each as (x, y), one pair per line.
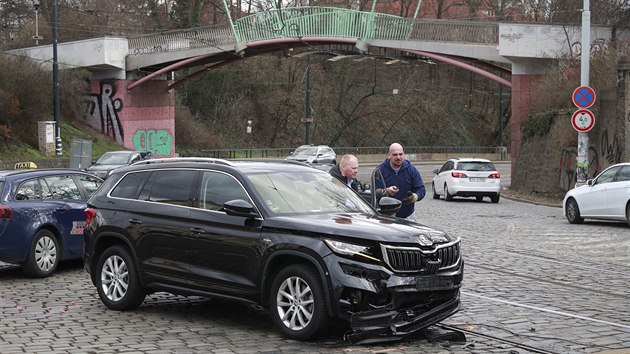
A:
(347, 171)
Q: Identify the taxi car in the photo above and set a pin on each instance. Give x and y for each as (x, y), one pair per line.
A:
(42, 218)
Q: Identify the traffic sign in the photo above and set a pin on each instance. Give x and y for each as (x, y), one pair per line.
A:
(583, 97)
(583, 120)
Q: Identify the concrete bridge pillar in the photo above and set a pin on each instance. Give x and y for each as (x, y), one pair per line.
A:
(140, 119)
(521, 96)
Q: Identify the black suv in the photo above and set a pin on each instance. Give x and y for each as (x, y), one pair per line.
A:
(288, 237)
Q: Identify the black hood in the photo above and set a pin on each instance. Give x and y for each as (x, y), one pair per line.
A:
(358, 226)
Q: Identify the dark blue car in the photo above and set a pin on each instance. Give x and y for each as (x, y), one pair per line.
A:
(42, 217)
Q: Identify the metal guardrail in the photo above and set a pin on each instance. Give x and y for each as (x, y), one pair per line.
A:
(297, 22)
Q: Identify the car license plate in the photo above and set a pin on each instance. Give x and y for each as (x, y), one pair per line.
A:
(477, 179)
(434, 282)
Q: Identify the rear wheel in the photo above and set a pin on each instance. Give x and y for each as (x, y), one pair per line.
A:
(495, 198)
(447, 195)
(297, 304)
(573, 212)
(479, 198)
(435, 195)
(117, 280)
(43, 257)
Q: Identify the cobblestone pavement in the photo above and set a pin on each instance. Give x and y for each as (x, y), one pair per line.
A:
(531, 278)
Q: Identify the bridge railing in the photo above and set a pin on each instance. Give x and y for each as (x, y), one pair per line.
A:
(455, 31)
(317, 22)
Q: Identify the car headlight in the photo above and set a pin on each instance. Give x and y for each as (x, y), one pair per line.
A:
(352, 250)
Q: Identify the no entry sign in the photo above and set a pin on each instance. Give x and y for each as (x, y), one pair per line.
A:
(583, 120)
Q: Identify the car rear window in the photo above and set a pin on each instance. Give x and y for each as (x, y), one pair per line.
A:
(476, 166)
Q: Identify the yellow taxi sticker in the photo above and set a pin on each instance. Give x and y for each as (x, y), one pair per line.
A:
(24, 165)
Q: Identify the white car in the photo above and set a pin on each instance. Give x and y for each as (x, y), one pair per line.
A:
(605, 197)
(467, 177)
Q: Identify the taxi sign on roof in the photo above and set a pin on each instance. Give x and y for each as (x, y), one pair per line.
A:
(25, 165)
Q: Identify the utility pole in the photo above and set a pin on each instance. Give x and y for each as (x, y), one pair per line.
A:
(582, 147)
(58, 147)
(36, 37)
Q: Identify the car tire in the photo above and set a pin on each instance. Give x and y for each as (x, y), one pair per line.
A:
(573, 212)
(495, 198)
(479, 198)
(447, 195)
(297, 303)
(117, 280)
(435, 195)
(43, 257)
(628, 214)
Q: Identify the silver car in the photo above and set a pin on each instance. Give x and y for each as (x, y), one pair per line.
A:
(112, 160)
(314, 154)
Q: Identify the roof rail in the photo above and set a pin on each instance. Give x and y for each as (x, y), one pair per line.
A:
(185, 159)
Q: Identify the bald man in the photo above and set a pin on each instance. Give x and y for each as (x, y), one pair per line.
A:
(347, 171)
(403, 181)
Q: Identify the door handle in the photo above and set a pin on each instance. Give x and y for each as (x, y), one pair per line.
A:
(135, 221)
(197, 230)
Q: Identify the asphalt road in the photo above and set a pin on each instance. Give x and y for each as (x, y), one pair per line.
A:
(533, 284)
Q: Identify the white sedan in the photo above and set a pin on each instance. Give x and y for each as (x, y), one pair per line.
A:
(606, 197)
(467, 177)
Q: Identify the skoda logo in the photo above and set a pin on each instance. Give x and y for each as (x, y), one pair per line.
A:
(424, 241)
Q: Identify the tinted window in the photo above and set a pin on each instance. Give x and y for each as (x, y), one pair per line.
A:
(130, 185)
(28, 190)
(218, 188)
(89, 183)
(476, 166)
(60, 187)
(172, 187)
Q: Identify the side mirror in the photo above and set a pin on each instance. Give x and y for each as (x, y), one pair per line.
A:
(436, 171)
(239, 207)
(590, 182)
(389, 206)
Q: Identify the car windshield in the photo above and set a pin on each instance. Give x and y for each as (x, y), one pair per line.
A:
(476, 166)
(306, 192)
(113, 159)
(306, 150)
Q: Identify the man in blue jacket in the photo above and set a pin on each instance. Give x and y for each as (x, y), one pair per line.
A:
(403, 181)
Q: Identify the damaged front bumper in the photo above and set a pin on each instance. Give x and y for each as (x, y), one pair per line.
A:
(382, 305)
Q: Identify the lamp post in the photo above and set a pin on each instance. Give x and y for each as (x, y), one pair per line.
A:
(56, 80)
(36, 37)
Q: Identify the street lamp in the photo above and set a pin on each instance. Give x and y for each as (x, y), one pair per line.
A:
(36, 37)
(56, 80)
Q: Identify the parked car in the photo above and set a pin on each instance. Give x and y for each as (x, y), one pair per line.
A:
(467, 177)
(110, 161)
(285, 236)
(42, 217)
(605, 197)
(314, 155)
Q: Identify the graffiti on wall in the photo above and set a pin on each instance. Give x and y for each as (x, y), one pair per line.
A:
(568, 161)
(102, 112)
(157, 141)
(611, 151)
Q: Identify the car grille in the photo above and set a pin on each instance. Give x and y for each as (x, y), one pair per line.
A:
(412, 259)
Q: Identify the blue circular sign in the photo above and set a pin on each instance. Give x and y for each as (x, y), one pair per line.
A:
(583, 97)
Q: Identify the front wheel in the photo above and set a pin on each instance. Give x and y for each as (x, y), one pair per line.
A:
(43, 257)
(573, 212)
(117, 280)
(297, 304)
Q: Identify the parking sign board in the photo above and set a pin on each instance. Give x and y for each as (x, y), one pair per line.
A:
(583, 97)
(583, 120)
